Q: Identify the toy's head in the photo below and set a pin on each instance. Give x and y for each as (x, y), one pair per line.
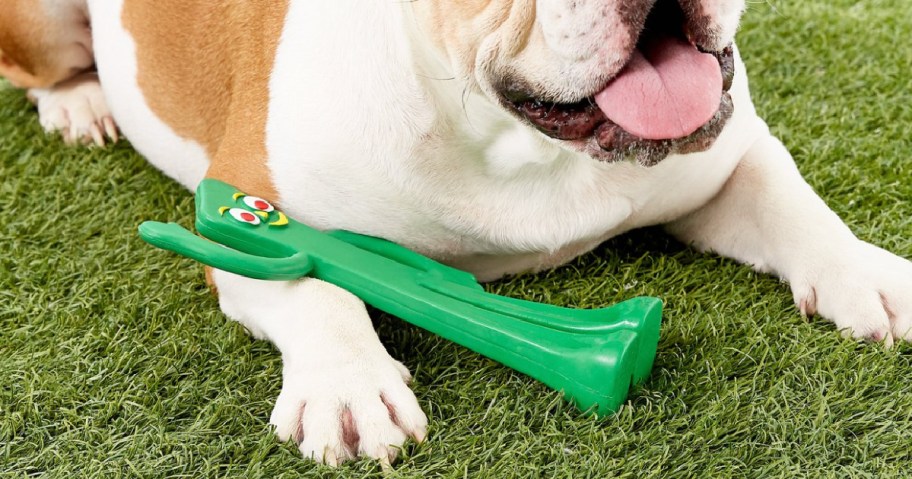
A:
(237, 241)
(254, 211)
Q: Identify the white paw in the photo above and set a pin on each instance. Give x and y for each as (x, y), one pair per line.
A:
(865, 290)
(343, 396)
(338, 408)
(77, 109)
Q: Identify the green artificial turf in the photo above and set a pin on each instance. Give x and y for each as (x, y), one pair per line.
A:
(116, 362)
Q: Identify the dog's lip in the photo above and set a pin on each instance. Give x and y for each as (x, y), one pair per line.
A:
(563, 121)
(611, 143)
(584, 123)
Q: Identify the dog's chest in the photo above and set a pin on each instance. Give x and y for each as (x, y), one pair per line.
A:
(482, 207)
(439, 168)
(452, 177)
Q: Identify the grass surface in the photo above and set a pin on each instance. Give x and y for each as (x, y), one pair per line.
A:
(115, 361)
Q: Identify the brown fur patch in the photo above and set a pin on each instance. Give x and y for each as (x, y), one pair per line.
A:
(458, 26)
(210, 280)
(22, 52)
(36, 44)
(204, 70)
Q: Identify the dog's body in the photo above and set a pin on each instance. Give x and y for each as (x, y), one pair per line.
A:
(398, 125)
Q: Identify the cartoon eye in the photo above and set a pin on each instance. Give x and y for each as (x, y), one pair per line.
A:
(244, 216)
(258, 204)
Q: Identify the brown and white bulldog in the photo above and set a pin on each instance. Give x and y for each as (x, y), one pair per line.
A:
(499, 136)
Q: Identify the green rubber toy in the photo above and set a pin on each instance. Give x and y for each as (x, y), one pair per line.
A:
(593, 356)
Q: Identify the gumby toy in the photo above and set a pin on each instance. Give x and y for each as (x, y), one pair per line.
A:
(592, 356)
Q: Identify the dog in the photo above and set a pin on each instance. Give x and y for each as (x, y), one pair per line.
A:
(498, 136)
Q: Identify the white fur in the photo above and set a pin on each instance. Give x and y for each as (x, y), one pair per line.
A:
(369, 130)
(115, 53)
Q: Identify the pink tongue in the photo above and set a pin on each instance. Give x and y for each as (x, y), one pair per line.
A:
(668, 90)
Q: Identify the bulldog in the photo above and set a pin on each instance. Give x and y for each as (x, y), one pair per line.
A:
(499, 136)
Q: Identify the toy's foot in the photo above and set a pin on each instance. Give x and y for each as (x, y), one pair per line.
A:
(867, 292)
(360, 407)
(77, 109)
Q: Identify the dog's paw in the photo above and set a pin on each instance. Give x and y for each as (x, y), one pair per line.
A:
(341, 411)
(865, 291)
(77, 109)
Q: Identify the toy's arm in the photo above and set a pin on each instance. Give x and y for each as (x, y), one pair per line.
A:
(173, 237)
(395, 252)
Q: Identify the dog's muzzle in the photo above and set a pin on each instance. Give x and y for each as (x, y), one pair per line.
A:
(670, 97)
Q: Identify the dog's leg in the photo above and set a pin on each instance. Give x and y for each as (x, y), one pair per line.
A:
(343, 396)
(768, 216)
(46, 47)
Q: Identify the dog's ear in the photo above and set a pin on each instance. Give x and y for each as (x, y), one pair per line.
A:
(18, 75)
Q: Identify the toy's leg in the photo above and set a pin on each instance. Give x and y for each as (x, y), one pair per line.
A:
(343, 396)
(766, 215)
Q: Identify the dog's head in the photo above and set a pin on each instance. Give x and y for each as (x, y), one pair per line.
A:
(613, 78)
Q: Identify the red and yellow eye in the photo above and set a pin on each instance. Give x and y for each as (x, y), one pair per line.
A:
(244, 216)
(258, 204)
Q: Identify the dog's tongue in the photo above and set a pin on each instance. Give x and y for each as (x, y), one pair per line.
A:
(668, 90)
